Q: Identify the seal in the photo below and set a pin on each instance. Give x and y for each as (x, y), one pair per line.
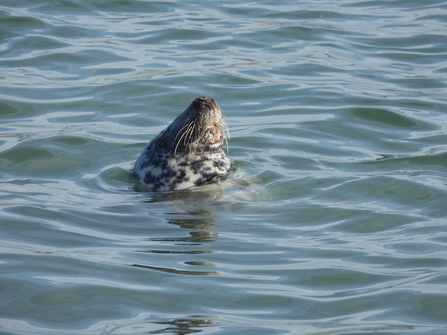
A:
(188, 152)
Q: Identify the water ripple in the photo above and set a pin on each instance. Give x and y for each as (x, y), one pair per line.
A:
(333, 221)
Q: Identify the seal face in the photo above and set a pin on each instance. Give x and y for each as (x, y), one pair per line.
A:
(188, 152)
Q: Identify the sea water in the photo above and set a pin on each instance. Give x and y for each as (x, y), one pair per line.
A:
(333, 222)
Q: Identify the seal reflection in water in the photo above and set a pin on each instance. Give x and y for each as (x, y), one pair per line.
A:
(188, 152)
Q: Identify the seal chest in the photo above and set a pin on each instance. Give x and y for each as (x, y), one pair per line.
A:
(188, 152)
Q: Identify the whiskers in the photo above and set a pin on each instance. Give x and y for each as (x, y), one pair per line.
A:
(226, 132)
(187, 134)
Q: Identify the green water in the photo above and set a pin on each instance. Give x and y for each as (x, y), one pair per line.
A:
(334, 222)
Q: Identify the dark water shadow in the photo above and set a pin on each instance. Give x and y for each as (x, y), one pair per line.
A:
(187, 210)
(201, 230)
(186, 325)
(179, 272)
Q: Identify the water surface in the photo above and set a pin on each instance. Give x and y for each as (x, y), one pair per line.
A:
(334, 222)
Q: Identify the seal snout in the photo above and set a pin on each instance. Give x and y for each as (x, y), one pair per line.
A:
(205, 100)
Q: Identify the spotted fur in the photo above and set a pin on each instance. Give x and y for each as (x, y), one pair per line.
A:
(188, 152)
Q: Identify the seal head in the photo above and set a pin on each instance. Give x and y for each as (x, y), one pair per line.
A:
(188, 152)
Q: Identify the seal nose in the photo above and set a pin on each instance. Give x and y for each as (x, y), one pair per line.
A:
(205, 100)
